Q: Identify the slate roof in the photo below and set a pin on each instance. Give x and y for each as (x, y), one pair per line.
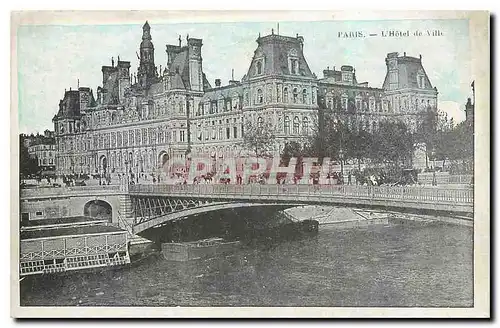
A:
(69, 106)
(408, 69)
(180, 67)
(276, 49)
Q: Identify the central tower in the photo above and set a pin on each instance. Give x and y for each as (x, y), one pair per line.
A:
(147, 69)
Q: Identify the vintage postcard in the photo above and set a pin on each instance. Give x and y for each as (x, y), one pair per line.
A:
(250, 164)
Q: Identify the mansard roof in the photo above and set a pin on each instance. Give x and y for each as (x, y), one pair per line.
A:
(69, 106)
(180, 66)
(275, 50)
(409, 68)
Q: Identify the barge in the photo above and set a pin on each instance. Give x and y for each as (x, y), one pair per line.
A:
(200, 249)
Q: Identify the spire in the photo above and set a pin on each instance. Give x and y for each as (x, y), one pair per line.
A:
(146, 35)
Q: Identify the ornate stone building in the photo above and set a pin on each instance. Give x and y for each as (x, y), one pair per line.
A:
(138, 121)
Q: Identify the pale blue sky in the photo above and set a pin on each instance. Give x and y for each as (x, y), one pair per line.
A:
(52, 58)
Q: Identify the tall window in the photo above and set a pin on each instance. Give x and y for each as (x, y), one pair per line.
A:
(260, 98)
(296, 125)
(182, 136)
(287, 125)
(344, 102)
(295, 95)
(305, 125)
(235, 132)
(304, 96)
(285, 95)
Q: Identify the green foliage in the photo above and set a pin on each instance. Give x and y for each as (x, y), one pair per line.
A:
(258, 140)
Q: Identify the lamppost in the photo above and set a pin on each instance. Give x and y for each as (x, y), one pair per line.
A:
(341, 151)
(341, 157)
(433, 154)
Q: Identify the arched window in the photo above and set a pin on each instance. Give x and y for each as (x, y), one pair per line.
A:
(287, 125)
(285, 95)
(260, 98)
(260, 122)
(259, 67)
(295, 95)
(304, 96)
(305, 125)
(296, 125)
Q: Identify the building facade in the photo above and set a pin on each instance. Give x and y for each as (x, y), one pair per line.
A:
(43, 148)
(138, 121)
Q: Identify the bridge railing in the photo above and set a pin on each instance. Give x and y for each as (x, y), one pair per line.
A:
(62, 191)
(427, 194)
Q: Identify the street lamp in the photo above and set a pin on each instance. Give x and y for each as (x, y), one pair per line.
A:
(433, 154)
(341, 157)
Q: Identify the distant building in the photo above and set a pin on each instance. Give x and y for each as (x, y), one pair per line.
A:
(138, 121)
(43, 148)
(469, 108)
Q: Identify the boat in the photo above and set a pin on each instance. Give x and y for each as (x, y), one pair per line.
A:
(199, 249)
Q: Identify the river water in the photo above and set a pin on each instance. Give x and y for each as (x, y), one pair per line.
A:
(422, 266)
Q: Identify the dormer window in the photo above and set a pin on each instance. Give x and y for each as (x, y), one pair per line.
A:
(258, 67)
(293, 62)
(421, 79)
(294, 66)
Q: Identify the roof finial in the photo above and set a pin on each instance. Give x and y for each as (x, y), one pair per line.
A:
(272, 31)
(180, 41)
(187, 37)
(118, 58)
(232, 74)
(112, 62)
(278, 32)
(259, 35)
(78, 83)
(420, 56)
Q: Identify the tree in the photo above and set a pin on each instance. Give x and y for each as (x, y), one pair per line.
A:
(258, 139)
(27, 165)
(393, 143)
(358, 145)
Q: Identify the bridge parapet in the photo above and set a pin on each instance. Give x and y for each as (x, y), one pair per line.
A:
(446, 199)
(72, 191)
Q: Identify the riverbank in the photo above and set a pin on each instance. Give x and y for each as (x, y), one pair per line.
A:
(347, 217)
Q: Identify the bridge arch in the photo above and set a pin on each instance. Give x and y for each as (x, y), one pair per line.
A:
(211, 207)
(98, 209)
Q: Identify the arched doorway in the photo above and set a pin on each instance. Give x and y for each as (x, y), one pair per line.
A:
(163, 158)
(98, 209)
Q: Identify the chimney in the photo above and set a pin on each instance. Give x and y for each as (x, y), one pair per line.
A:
(217, 83)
